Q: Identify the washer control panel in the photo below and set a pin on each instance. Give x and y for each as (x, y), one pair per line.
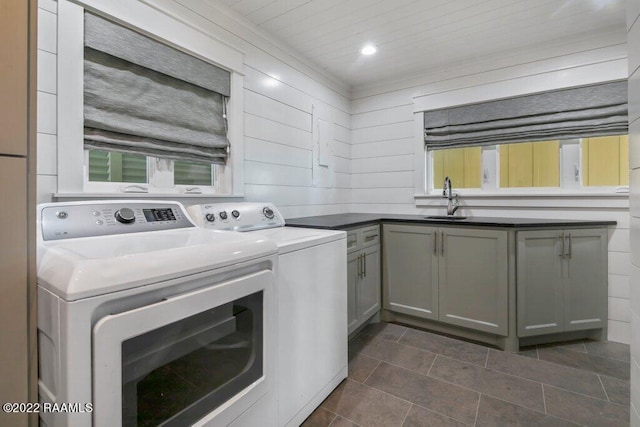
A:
(83, 219)
(245, 216)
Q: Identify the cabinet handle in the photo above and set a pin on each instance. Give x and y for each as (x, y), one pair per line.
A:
(561, 237)
(361, 267)
(569, 247)
(435, 243)
(364, 265)
(369, 238)
(442, 243)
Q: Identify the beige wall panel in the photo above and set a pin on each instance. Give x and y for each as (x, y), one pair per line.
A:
(503, 153)
(13, 69)
(624, 160)
(454, 166)
(438, 168)
(521, 165)
(546, 164)
(13, 285)
(604, 160)
(473, 167)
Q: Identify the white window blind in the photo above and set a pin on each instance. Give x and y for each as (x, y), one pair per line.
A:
(597, 110)
(144, 97)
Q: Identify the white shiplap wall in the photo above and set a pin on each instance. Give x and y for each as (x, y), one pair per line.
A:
(47, 90)
(386, 159)
(280, 94)
(374, 163)
(633, 37)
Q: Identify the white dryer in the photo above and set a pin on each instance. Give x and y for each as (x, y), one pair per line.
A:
(146, 319)
(311, 289)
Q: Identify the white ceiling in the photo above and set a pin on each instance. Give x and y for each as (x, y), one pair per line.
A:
(415, 36)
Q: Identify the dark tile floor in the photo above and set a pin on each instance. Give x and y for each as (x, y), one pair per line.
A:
(400, 376)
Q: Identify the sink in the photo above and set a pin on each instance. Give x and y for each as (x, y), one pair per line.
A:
(446, 217)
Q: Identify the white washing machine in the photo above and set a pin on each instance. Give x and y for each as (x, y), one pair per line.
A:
(146, 319)
(311, 289)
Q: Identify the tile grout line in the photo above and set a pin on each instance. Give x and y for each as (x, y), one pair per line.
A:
(415, 404)
(406, 415)
(603, 387)
(475, 420)
(400, 337)
(412, 403)
(371, 373)
(335, 416)
(587, 396)
(486, 360)
(544, 399)
(498, 369)
(432, 363)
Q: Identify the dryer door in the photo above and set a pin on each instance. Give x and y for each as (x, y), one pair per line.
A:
(183, 358)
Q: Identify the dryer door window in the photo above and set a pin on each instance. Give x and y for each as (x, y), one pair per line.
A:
(174, 362)
(182, 371)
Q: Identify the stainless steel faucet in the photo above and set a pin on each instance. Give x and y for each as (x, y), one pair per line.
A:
(447, 191)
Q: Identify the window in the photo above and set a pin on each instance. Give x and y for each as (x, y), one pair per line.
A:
(198, 163)
(105, 166)
(566, 164)
(163, 111)
(605, 161)
(530, 164)
(462, 165)
(552, 139)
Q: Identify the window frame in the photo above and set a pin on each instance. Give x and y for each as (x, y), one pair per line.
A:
(569, 182)
(474, 89)
(191, 37)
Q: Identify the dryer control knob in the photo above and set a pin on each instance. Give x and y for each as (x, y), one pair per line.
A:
(125, 216)
(223, 215)
(210, 217)
(235, 213)
(268, 212)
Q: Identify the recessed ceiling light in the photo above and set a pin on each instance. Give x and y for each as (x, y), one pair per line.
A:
(368, 49)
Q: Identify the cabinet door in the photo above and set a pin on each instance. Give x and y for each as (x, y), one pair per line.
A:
(473, 273)
(353, 273)
(410, 275)
(13, 273)
(369, 285)
(539, 282)
(585, 298)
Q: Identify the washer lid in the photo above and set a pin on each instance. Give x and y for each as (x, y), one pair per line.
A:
(85, 267)
(291, 239)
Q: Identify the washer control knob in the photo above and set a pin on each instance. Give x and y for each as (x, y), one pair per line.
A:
(62, 215)
(235, 213)
(223, 215)
(125, 216)
(268, 212)
(210, 217)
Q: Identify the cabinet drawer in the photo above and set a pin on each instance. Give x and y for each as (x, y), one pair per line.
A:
(369, 236)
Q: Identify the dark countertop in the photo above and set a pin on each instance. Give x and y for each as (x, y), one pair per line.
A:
(349, 220)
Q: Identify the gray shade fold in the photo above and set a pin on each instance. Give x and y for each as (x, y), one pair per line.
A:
(582, 112)
(137, 106)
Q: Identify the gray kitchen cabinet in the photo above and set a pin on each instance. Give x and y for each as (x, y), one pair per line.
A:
(454, 275)
(363, 269)
(410, 273)
(561, 281)
(473, 279)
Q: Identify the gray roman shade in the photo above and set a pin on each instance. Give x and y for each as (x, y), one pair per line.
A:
(588, 111)
(144, 97)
